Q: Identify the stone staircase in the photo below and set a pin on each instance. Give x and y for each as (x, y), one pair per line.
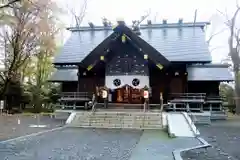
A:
(201, 118)
(62, 114)
(134, 120)
(218, 115)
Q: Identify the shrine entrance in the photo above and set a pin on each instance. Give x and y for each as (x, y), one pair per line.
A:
(128, 94)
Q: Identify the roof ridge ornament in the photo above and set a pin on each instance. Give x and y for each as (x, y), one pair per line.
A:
(91, 25)
(120, 21)
(106, 22)
(180, 21)
(136, 23)
(164, 21)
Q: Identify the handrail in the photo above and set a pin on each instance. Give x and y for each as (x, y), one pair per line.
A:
(190, 124)
(143, 121)
(93, 102)
(144, 107)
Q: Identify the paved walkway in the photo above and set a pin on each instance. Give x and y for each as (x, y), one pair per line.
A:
(10, 127)
(74, 144)
(224, 138)
(156, 145)
(96, 144)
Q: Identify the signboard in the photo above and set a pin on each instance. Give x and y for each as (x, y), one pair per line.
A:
(145, 94)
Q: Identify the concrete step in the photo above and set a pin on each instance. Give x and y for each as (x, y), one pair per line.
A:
(61, 115)
(121, 113)
(105, 123)
(120, 125)
(122, 119)
(202, 120)
(125, 122)
(138, 120)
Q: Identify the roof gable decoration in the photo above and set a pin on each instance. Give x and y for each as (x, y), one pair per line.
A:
(142, 45)
(126, 34)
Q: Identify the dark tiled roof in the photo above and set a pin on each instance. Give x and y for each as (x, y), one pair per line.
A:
(209, 72)
(61, 75)
(79, 45)
(177, 43)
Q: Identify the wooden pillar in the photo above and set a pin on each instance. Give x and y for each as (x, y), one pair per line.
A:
(79, 75)
(105, 96)
(146, 98)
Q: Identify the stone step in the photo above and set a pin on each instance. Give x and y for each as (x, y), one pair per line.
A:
(105, 123)
(61, 115)
(121, 125)
(108, 115)
(122, 119)
(137, 120)
(120, 114)
(117, 122)
(126, 123)
(137, 116)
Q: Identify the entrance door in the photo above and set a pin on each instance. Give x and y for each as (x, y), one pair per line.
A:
(127, 94)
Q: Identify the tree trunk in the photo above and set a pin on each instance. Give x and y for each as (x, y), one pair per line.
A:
(237, 92)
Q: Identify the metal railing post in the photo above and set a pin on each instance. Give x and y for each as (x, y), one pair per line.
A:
(144, 106)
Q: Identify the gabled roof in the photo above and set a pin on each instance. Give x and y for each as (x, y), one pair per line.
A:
(79, 45)
(209, 72)
(114, 39)
(177, 43)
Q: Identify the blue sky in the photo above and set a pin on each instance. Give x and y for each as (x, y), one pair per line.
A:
(160, 9)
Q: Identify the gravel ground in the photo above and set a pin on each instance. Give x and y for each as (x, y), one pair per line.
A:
(9, 127)
(74, 144)
(224, 136)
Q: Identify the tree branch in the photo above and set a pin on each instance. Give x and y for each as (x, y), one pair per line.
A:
(9, 4)
(211, 37)
(78, 17)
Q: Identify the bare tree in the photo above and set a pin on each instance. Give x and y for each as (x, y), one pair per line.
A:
(80, 13)
(21, 37)
(234, 50)
(213, 33)
(8, 3)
